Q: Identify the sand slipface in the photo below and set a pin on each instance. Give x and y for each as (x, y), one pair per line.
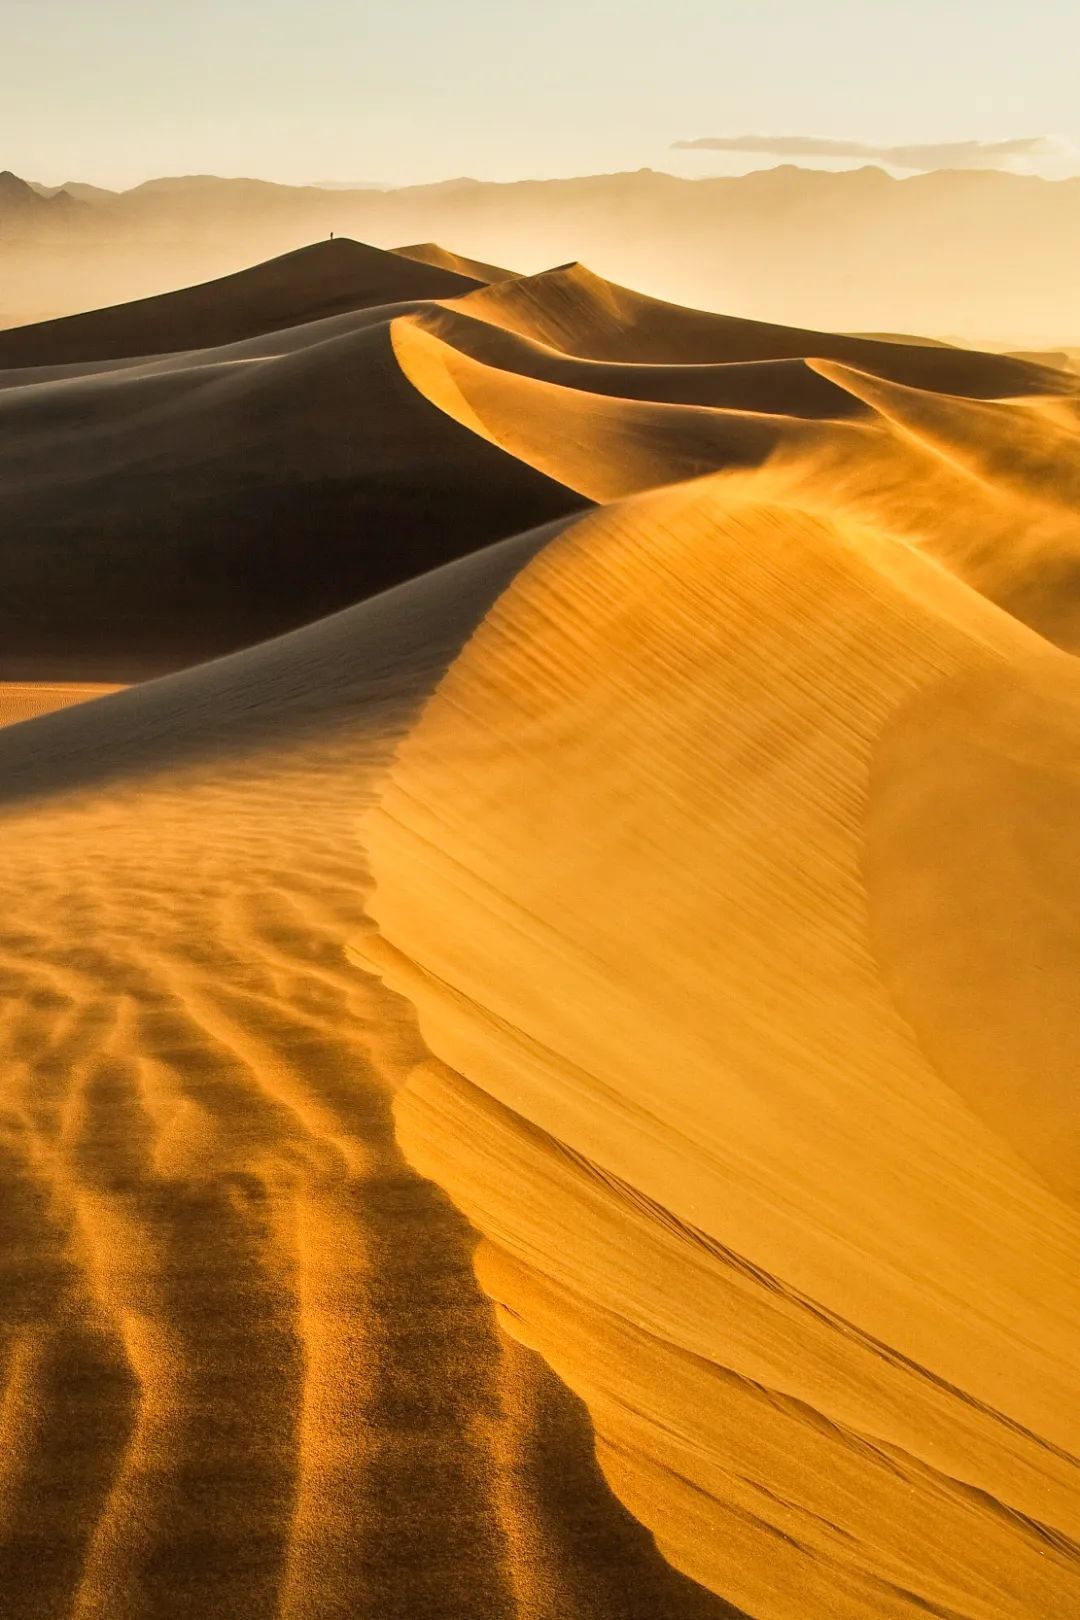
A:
(544, 1094)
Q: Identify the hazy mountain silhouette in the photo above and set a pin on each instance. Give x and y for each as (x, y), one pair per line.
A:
(978, 253)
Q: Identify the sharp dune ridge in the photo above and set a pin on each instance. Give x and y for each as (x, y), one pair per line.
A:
(432, 253)
(538, 1025)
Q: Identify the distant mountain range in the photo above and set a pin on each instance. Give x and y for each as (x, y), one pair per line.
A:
(983, 253)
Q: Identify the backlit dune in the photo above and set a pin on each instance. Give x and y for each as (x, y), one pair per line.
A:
(544, 1094)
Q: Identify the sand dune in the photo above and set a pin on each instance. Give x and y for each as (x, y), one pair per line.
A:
(803, 1240)
(432, 253)
(789, 387)
(600, 446)
(327, 278)
(546, 1093)
(235, 456)
(579, 313)
(194, 490)
(986, 486)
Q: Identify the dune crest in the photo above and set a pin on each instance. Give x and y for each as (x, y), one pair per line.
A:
(721, 1187)
(444, 259)
(323, 279)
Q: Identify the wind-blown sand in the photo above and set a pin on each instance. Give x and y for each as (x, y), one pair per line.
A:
(547, 1093)
(444, 259)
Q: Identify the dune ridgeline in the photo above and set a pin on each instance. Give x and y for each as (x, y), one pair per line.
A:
(539, 950)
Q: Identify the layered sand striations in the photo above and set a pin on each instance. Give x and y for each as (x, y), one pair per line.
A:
(546, 1093)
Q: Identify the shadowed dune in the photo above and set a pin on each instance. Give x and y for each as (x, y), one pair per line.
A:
(327, 278)
(194, 492)
(194, 486)
(544, 1094)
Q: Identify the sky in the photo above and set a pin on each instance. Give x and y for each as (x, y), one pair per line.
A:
(408, 91)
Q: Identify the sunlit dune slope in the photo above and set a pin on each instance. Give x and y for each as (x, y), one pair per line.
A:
(789, 387)
(579, 313)
(247, 1369)
(23, 700)
(433, 253)
(600, 446)
(214, 499)
(729, 872)
(327, 278)
(987, 487)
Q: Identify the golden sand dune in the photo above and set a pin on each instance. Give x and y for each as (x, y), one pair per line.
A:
(606, 447)
(988, 487)
(579, 313)
(327, 278)
(789, 387)
(785, 1200)
(545, 1094)
(476, 269)
(234, 457)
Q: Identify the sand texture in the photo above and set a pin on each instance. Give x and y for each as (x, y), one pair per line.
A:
(545, 1092)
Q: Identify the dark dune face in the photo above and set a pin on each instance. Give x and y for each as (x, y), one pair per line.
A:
(163, 513)
(328, 278)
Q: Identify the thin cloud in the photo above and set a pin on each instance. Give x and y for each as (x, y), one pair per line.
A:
(924, 157)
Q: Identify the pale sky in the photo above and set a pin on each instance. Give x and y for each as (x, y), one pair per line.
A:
(404, 91)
